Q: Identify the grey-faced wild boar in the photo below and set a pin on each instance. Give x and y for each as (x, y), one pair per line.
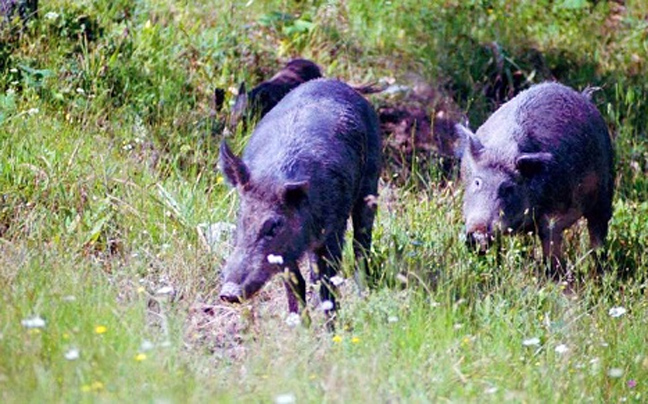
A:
(539, 163)
(262, 98)
(311, 162)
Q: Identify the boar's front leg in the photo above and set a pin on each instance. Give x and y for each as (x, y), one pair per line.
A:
(552, 252)
(295, 288)
(329, 257)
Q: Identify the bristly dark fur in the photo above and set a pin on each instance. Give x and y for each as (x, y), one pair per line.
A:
(541, 161)
(312, 162)
(261, 99)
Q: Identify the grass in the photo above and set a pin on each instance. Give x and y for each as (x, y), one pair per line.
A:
(107, 181)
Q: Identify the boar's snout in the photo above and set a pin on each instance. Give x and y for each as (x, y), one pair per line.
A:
(231, 293)
(480, 239)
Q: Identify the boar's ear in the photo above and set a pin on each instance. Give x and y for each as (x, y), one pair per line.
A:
(472, 146)
(241, 89)
(240, 104)
(463, 134)
(219, 99)
(233, 167)
(530, 164)
(294, 193)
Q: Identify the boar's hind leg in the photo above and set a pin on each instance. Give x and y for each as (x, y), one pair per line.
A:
(363, 214)
(295, 288)
(597, 227)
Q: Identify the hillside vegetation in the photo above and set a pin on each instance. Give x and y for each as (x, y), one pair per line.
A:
(109, 274)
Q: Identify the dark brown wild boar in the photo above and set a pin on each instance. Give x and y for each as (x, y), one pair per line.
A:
(311, 162)
(539, 163)
(262, 98)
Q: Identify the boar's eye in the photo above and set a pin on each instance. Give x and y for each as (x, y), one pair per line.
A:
(478, 182)
(271, 227)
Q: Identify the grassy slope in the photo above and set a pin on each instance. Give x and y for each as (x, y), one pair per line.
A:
(107, 172)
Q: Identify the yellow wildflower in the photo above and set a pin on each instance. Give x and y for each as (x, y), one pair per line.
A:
(140, 357)
(337, 338)
(100, 329)
(94, 386)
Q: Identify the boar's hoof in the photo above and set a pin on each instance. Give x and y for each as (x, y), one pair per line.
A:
(231, 292)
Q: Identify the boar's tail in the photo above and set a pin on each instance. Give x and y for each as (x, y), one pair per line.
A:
(589, 91)
(369, 88)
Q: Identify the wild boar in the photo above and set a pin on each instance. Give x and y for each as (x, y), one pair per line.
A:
(539, 163)
(262, 98)
(311, 162)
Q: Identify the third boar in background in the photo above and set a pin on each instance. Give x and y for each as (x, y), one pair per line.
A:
(311, 162)
(539, 163)
(262, 98)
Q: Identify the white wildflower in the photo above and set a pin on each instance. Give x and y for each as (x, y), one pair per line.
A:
(32, 111)
(146, 346)
(69, 298)
(337, 280)
(615, 372)
(491, 390)
(326, 305)
(72, 354)
(51, 15)
(293, 320)
(535, 341)
(617, 311)
(561, 349)
(392, 319)
(275, 259)
(34, 322)
(286, 398)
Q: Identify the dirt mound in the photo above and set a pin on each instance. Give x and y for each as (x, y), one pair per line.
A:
(418, 125)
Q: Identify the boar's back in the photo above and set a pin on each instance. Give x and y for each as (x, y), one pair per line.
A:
(321, 130)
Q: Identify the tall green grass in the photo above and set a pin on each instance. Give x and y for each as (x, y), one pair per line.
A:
(108, 180)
